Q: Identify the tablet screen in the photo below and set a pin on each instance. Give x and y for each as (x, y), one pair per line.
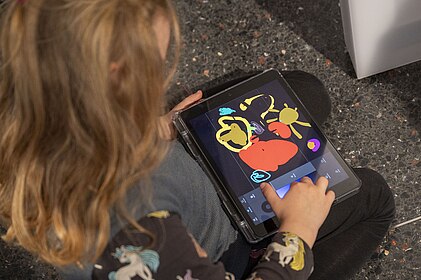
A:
(263, 135)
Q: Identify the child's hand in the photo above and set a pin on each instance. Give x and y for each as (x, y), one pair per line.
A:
(167, 129)
(303, 209)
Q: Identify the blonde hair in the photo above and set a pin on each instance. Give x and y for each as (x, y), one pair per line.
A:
(73, 139)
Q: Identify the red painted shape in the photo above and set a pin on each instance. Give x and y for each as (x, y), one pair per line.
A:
(280, 128)
(268, 155)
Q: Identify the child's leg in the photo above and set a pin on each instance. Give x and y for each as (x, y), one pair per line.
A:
(353, 229)
(312, 94)
(350, 234)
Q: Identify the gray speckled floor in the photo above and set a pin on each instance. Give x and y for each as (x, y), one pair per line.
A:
(375, 122)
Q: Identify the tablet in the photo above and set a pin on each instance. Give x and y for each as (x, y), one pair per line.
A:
(259, 131)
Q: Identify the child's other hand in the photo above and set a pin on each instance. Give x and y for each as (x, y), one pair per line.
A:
(167, 129)
(303, 209)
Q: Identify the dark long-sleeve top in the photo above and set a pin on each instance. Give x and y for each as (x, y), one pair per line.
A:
(179, 186)
(175, 254)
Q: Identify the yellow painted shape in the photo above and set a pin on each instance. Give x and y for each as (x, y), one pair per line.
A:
(270, 109)
(296, 133)
(236, 135)
(243, 107)
(303, 123)
(233, 133)
(248, 101)
(290, 116)
(311, 145)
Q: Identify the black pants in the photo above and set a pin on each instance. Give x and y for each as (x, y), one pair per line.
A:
(353, 228)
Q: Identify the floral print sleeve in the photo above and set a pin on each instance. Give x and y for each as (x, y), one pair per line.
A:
(176, 255)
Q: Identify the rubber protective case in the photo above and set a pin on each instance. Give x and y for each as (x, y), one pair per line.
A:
(255, 234)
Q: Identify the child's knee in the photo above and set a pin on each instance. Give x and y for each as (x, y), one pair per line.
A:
(380, 198)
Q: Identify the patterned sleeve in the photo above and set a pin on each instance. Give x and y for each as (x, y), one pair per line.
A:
(176, 255)
(287, 257)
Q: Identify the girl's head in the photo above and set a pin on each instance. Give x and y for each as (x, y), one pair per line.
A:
(81, 90)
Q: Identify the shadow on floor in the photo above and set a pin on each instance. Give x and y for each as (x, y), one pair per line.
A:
(319, 23)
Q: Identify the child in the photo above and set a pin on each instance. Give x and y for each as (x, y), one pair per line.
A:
(86, 180)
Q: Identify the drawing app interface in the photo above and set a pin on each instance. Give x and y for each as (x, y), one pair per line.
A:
(263, 137)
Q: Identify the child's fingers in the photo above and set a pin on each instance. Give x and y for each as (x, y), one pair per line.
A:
(306, 179)
(330, 195)
(322, 183)
(271, 196)
(189, 100)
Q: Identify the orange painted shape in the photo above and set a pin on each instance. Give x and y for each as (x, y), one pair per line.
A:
(268, 155)
(280, 128)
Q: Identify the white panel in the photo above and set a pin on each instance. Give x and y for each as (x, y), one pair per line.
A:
(385, 33)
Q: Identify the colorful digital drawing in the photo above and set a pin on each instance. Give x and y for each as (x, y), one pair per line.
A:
(239, 135)
(313, 144)
(268, 155)
(259, 176)
(257, 128)
(226, 111)
(232, 133)
(290, 116)
(139, 263)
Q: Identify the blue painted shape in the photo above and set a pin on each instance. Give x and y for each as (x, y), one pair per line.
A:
(259, 176)
(226, 111)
